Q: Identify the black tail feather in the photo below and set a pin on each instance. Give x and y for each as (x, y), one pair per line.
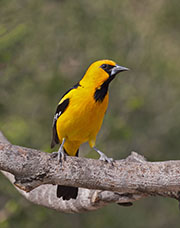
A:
(67, 192)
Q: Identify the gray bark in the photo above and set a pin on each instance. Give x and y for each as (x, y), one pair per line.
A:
(36, 173)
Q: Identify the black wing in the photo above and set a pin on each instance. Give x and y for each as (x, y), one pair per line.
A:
(59, 111)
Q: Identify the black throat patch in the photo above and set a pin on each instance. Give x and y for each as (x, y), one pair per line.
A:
(101, 92)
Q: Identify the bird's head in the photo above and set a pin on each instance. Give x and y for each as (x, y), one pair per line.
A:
(102, 71)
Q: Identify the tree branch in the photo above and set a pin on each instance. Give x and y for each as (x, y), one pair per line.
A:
(35, 173)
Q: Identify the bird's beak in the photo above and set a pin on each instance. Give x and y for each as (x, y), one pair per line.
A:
(116, 69)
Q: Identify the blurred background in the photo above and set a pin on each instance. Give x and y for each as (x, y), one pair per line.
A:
(45, 48)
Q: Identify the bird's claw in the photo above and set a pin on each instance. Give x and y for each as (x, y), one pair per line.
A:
(61, 157)
(104, 158)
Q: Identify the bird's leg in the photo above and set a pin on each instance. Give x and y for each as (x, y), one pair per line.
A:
(103, 157)
(61, 153)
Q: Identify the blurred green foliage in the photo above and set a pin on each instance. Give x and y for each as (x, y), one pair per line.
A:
(45, 48)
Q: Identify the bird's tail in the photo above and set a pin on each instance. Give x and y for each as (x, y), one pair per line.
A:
(67, 192)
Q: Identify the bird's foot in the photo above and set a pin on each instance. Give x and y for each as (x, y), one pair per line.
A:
(61, 157)
(103, 157)
(61, 153)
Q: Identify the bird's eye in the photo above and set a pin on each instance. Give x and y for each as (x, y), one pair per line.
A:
(103, 66)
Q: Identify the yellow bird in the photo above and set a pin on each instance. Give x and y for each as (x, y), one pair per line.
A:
(79, 115)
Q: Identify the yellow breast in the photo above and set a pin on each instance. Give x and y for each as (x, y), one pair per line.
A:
(83, 117)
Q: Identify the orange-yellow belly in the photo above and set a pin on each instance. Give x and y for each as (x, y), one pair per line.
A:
(81, 122)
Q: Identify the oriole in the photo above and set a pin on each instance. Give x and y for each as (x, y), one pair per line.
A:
(79, 115)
